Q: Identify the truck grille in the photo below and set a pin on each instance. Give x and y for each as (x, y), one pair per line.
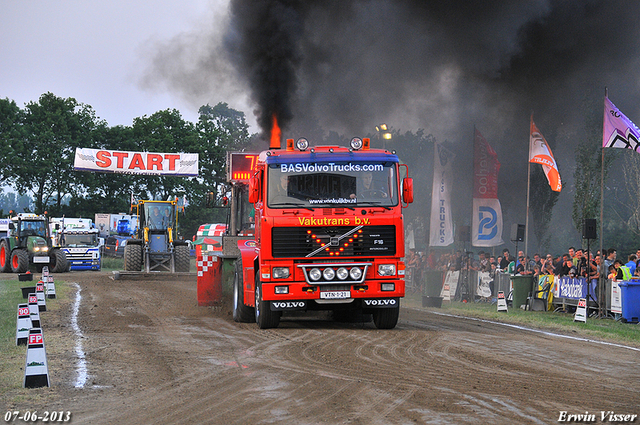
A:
(302, 241)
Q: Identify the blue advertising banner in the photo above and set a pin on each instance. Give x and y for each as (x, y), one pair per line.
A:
(575, 288)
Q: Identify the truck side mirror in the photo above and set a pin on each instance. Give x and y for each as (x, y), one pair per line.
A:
(407, 190)
(254, 189)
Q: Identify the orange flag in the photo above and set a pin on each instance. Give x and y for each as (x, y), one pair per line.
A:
(540, 153)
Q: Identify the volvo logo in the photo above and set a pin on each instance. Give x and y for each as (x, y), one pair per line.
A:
(287, 305)
(388, 302)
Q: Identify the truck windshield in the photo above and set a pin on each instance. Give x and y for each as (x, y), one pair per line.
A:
(159, 215)
(331, 184)
(81, 240)
(33, 228)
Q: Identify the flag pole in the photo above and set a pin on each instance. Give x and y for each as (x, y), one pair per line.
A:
(602, 312)
(526, 220)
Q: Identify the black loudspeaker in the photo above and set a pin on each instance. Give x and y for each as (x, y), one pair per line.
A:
(517, 232)
(589, 230)
(463, 233)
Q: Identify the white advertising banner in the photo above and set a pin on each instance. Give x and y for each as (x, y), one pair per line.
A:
(451, 280)
(483, 287)
(616, 298)
(486, 228)
(149, 163)
(441, 224)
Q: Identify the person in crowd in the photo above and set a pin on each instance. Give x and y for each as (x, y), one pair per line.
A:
(572, 254)
(536, 272)
(483, 262)
(411, 264)
(580, 263)
(611, 257)
(559, 269)
(622, 271)
(612, 272)
(547, 265)
(506, 259)
(537, 261)
(632, 264)
(594, 267)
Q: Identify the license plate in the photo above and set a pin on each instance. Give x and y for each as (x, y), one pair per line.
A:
(41, 259)
(335, 295)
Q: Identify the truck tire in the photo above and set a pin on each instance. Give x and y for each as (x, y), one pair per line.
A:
(241, 312)
(265, 318)
(19, 261)
(182, 261)
(59, 264)
(5, 257)
(133, 258)
(386, 318)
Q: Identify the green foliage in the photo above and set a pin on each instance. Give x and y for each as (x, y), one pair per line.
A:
(37, 149)
(43, 149)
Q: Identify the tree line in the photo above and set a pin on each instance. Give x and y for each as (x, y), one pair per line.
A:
(38, 143)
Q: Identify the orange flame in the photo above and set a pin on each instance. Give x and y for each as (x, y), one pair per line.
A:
(276, 134)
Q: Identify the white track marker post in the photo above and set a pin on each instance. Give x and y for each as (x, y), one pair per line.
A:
(42, 302)
(34, 311)
(23, 324)
(51, 287)
(581, 311)
(36, 371)
(502, 302)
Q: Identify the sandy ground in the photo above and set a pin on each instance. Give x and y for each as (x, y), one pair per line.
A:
(153, 356)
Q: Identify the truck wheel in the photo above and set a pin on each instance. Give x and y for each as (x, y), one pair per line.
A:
(19, 261)
(386, 318)
(5, 258)
(182, 261)
(241, 312)
(60, 262)
(133, 258)
(265, 318)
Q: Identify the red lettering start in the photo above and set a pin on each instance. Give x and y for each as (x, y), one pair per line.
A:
(153, 161)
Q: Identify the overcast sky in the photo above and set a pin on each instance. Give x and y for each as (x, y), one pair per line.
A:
(97, 53)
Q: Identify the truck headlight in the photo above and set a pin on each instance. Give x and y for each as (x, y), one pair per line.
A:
(355, 273)
(387, 269)
(280, 272)
(315, 274)
(342, 273)
(281, 289)
(388, 287)
(328, 273)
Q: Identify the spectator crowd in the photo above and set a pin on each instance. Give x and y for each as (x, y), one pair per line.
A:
(573, 263)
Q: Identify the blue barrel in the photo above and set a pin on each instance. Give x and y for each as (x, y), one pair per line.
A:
(630, 297)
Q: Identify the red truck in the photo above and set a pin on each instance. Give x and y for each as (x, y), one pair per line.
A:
(329, 234)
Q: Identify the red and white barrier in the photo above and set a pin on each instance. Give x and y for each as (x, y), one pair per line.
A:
(42, 302)
(502, 302)
(34, 311)
(36, 371)
(23, 324)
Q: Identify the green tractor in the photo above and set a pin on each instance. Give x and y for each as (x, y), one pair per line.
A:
(27, 243)
(155, 245)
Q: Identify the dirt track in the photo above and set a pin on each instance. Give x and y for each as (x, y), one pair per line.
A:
(154, 356)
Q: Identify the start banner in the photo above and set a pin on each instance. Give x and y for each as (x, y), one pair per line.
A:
(114, 161)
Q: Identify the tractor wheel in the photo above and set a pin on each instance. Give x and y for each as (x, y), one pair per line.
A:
(241, 312)
(59, 262)
(19, 261)
(5, 258)
(386, 318)
(133, 258)
(265, 318)
(182, 261)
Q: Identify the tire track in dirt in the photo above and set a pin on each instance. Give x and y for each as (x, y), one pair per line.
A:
(153, 355)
